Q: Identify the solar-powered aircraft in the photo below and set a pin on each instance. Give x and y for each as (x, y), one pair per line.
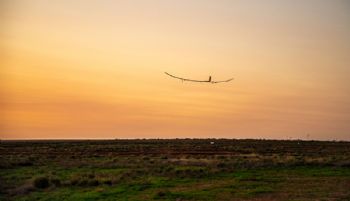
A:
(190, 80)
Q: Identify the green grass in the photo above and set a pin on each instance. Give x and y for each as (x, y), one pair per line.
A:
(255, 170)
(240, 184)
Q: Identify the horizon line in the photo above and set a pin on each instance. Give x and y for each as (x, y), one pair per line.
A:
(105, 139)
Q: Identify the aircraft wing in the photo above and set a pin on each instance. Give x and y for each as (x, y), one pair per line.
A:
(190, 80)
(214, 82)
(185, 79)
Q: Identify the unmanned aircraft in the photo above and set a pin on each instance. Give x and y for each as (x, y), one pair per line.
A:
(190, 80)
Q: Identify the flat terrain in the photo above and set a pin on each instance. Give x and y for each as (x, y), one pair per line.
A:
(179, 170)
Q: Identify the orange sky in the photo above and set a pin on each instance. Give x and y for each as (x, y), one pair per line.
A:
(94, 69)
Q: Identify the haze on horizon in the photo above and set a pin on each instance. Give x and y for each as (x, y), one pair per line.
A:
(94, 69)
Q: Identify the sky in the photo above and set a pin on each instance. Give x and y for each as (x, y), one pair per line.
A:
(95, 69)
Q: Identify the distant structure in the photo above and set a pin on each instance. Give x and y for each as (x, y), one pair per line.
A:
(212, 143)
(190, 80)
(307, 136)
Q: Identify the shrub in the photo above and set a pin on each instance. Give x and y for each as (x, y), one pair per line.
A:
(25, 163)
(83, 182)
(108, 182)
(221, 165)
(41, 182)
(93, 182)
(164, 157)
(161, 194)
(56, 182)
(164, 194)
(74, 181)
(91, 175)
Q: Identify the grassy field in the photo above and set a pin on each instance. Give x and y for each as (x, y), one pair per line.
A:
(179, 170)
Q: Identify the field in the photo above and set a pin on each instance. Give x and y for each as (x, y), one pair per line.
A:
(178, 169)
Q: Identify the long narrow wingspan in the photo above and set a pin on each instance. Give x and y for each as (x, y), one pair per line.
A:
(190, 80)
(185, 79)
(214, 82)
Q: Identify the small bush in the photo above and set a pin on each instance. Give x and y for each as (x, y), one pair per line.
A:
(221, 157)
(74, 181)
(161, 194)
(221, 165)
(108, 182)
(93, 182)
(25, 163)
(41, 182)
(91, 175)
(56, 182)
(83, 182)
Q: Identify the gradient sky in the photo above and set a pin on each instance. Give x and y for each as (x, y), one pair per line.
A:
(95, 69)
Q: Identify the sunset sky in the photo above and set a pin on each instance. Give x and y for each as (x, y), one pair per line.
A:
(95, 69)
